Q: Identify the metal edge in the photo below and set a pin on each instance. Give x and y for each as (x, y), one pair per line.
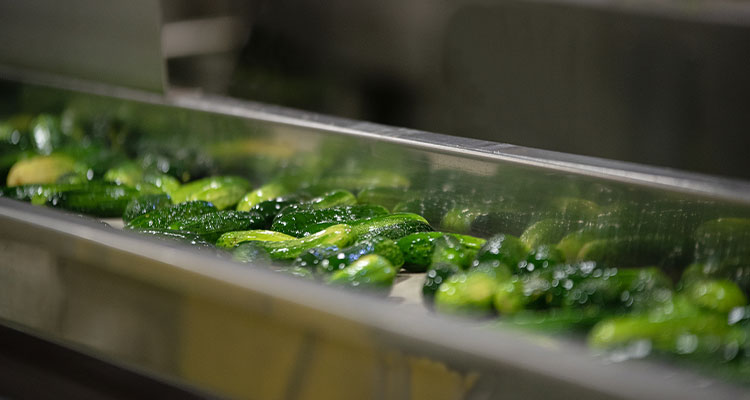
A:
(570, 363)
(715, 187)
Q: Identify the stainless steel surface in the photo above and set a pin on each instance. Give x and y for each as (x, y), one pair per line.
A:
(245, 331)
(106, 41)
(655, 82)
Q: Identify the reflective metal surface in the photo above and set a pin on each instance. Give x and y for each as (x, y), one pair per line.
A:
(244, 331)
(106, 41)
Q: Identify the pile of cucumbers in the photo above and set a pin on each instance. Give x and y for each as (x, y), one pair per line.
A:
(625, 276)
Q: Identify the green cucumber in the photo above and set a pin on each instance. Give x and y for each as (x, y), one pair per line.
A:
(717, 295)
(99, 201)
(165, 183)
(435, 277)
(332, 258)
(369, 272)
(541, 257)
(393, 226)
(230, 240)
(296, 222)
(336, 235)
(505, 249)
(212, 225)
(632, 251)
(128, 173)
(178, 236)
(164, 217)
(448, 250)
(333, 198)
(270, 209)
(266, 192)
(42, 169)
(467, 293)
(418, 248)
(222, 191)
(144, 204)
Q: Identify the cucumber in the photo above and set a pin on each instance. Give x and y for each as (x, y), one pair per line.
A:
(42, 169)
(512, 222)
(296, 222)
(251, 252)
(665, 328)
(331, 259)
(393, 226)
(369, 272)
(448, 250)
(723, 247)
(435, 277)
(717, 295)
(178, 236)
(46, 133)
(333, 198)
(212, 225)
(269, 209)
(418, 248)
(144, 204)
(231, 240)
(633, 251)
(541, 257)
(558, 320)
(222, 191)
(164, 217)
(467, 293)
(266, 192)
(505, 249)
(99, 201)
(41, 192)
(336, 235)
(128, 173)
(165, 183)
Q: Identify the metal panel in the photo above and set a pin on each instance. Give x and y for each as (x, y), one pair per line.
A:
(245, 331)
(104, 41)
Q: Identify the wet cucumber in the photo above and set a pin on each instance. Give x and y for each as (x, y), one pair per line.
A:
(212, 225)
(435, 277)
(467, 293)
(178, 236)
(270, 209)
(268, 191)
(418, 248)
(222, 191)
(393, 226)
(231, 240)
(164, 217)
(336, 235)
(144, 204)
(369, 272)
(42, 169)
(332, 258)
(99, 201)
(504, 249)
(297, 222)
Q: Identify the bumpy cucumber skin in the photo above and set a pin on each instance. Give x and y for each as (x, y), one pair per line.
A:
(144, 204)
(164, 217)
(212, 225)
(336, 235)
(295, 222)
(178, 236)
(332, 259)
(270, 209)
(230, 240)
(222, 191)
(105, 202)
(393, 226)
(369, 272)
(506, 249)
(466, 293)
(448, 250)
(266, 192)
(418, 248)
(436, 275)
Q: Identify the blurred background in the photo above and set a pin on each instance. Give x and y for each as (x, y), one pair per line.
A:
(660, 82)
